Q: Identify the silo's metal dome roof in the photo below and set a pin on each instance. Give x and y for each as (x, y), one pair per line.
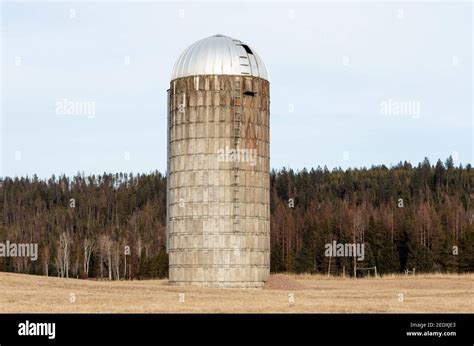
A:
(219, 55)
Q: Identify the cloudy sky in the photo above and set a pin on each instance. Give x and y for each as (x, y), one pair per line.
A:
(352, 83)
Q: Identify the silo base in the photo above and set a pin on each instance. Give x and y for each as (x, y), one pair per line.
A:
(219, 284)
(254, 277)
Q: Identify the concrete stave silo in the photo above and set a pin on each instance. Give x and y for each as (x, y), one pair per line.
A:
(218, 205)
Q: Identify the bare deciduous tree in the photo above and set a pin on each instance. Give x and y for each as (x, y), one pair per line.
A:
(89, 247)
(106, 250)
(63, 256)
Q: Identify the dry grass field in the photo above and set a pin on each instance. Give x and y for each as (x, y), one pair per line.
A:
(423, 293)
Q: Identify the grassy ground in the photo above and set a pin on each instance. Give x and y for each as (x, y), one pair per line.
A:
(422, 293)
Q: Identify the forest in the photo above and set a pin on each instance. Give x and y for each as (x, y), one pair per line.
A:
(112, 226)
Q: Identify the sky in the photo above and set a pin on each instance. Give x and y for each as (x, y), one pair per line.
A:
(353, 84)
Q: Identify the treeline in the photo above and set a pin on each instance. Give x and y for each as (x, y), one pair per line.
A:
(113, 225)
(407, 217)
(106, 226)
